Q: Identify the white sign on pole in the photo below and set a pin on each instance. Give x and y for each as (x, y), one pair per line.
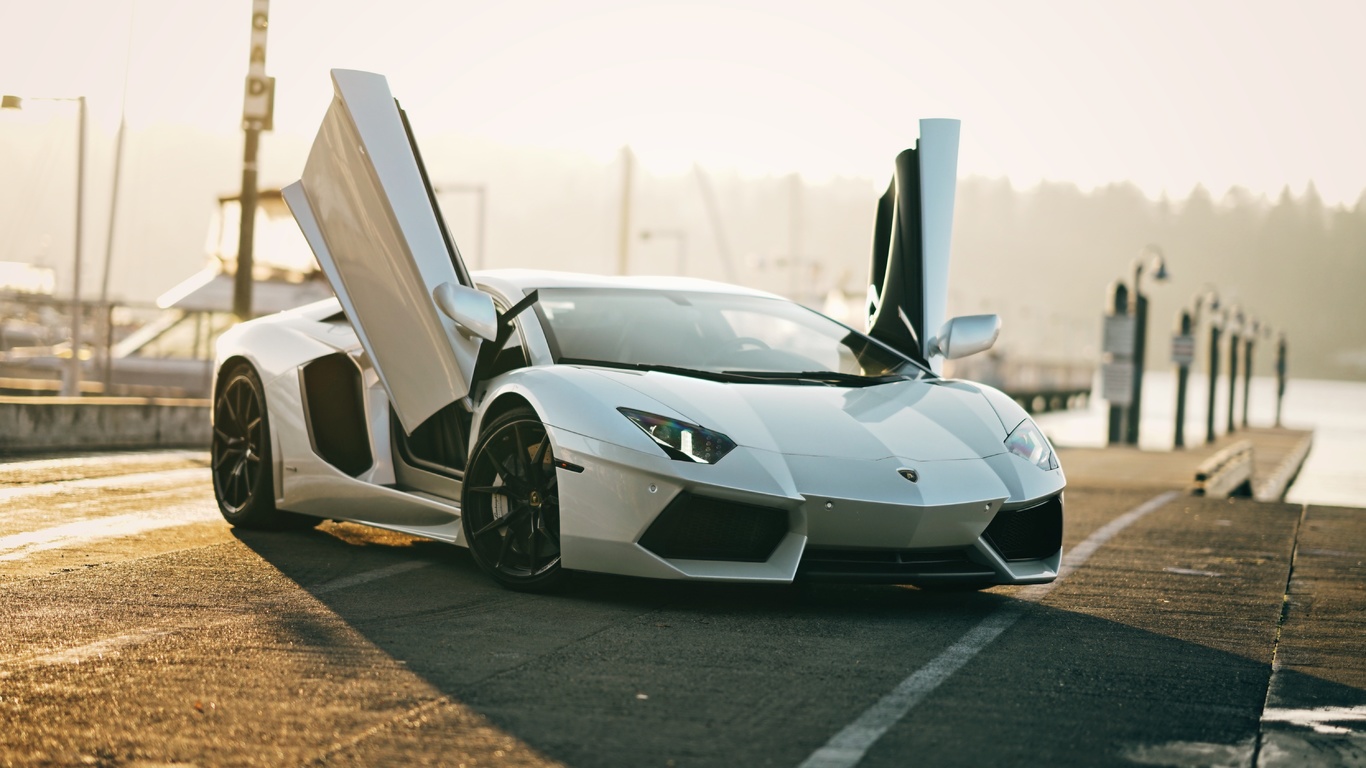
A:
(1119, 336)
(259, 101)
(1183, 349)
(1117, 382)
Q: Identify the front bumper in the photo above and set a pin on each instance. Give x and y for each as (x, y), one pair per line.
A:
(835, 518)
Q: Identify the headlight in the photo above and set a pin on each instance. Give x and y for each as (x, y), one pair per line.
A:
(1028, 442)
(681, 440)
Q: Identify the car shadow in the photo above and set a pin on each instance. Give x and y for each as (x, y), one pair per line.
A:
(616, 671)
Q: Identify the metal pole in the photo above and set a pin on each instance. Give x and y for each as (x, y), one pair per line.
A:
(1119, 305)
(1280, 377)
(1247, 372)
(109, 257)
(483, 222)
(794, 234)
(246, 231)
(624, 234)
(1213, 379)
(1140, 352)
(256, 117)
(107, 373)
(72, 386)
(1232, 376)
(1182, 374)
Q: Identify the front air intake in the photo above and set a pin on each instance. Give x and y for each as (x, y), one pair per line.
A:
(702, 528)
(1031, 533)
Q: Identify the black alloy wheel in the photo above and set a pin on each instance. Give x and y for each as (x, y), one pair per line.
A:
(243, 482)
(510, 508)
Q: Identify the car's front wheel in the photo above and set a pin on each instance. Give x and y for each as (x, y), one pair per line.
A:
(243, 482)
(510, 507)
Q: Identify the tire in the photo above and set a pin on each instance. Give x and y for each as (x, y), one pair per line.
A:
(243, 475)
(510, 507)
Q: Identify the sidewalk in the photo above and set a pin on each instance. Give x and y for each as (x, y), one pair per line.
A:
(1277, 456)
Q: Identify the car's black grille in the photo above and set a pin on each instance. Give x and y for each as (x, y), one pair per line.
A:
(1027, 534)
(702, 528)
(887, 565)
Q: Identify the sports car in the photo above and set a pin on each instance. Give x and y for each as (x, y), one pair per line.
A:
(661, 427)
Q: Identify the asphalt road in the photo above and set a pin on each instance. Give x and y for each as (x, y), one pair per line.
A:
(137, 628)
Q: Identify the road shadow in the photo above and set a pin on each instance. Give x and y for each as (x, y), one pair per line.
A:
(618, 671)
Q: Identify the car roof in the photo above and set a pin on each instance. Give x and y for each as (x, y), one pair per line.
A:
(526, 280)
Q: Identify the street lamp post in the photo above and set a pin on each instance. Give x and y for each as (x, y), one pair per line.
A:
(71, 383)
(1150, 254)
(1250, 339)
(1215, 324)
(1280, 375)
(1207, 297)
(677, 235)
(1235, 328)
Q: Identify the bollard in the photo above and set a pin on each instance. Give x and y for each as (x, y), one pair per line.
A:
(1251, 339)
(1140, 351)
(1232, 375)
(1183, 371)
(1280, 376)
(1119, 305)
(1213, 378)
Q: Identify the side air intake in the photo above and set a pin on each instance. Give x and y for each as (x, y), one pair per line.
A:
(702, 528)
(1027, 534)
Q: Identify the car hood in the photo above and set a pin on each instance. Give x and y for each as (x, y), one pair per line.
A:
(931, 420)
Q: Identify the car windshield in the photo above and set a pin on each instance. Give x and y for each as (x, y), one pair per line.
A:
(742, 337)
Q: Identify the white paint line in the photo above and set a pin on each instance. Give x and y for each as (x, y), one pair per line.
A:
(367, 576)
(21, 545)
(163, 479)
(1189, 571)
(1204, 753)
(1319, 718)
(848, 747)
(110, 646)
(97, 649)
(104, 460)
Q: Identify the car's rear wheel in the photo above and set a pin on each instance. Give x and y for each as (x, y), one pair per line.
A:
(243, 481)
(510, 508)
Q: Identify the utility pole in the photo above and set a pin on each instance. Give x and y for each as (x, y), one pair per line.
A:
(1183, 370)
(624, 234)
(794, 234)
(257, 109)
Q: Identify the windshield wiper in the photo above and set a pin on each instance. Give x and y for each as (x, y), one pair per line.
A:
(729, 377)
(828, 378)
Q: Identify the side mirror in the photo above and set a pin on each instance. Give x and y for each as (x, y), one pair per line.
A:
(966, 335)
(472, 311)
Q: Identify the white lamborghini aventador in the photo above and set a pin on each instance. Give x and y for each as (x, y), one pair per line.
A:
(661, 427)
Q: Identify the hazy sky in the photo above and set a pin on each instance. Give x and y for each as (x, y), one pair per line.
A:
(1165, 94)
(1162, 94)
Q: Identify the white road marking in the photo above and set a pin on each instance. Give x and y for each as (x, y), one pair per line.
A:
(21, 545)
(105, 459)
(1319, 718)
(110, 646)
(1189, 571)
(367, 576)
(1191, 753)
(848, 747)
(98, 649)
(163, 479)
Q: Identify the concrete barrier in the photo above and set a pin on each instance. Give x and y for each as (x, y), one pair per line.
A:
(39, 424)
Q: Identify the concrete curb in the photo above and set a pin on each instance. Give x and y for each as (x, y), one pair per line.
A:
(43, 424)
